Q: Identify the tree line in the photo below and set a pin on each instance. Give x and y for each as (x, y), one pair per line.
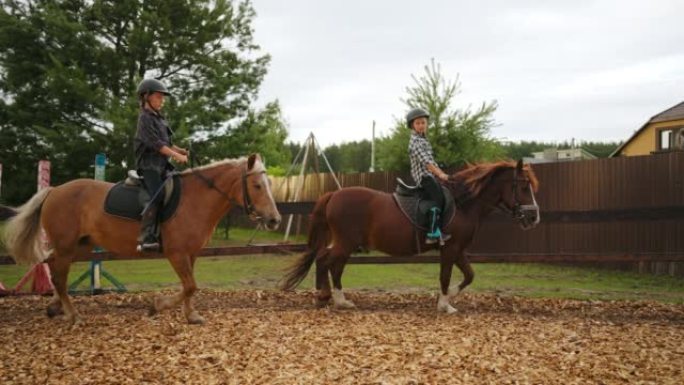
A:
(69, 70)
(355, 156)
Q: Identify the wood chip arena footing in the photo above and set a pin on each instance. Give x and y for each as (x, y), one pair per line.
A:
(269, 337)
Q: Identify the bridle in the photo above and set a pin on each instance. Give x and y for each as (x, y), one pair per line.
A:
(518, 211)
(247, 204)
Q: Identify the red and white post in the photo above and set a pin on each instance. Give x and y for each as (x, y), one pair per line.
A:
(42, 284)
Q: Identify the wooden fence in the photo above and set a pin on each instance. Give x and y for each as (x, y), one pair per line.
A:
(619, 210)
(616, 209)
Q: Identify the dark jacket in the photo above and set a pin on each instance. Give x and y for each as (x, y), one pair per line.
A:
(153, 134)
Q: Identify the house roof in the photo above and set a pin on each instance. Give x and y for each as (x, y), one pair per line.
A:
(673, 113)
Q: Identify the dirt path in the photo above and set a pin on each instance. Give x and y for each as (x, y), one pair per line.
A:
(280, 338)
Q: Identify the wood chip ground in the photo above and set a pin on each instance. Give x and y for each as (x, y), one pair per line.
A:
(269, 337)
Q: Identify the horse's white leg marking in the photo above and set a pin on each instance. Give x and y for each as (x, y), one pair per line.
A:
(190, 313)
(340, 301)
(443, 303)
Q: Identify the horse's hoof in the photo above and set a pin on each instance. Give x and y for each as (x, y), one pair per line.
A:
(53, 311)
(345, 305)
(75, 321)
(321, 303)
(195, 319)
(448, 309)
(151, 310)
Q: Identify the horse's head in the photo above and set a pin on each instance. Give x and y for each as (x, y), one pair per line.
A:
(256, 196)
(517, 196)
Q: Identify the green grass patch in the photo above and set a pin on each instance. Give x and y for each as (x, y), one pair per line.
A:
(264, 271)
(238, 236)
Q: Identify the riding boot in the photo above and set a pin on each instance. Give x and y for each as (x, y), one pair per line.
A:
(147, 241)
(435, 233)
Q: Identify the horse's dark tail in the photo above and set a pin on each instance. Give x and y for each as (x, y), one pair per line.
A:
(319, 234)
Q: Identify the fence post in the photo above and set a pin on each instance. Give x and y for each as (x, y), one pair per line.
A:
(40, 272)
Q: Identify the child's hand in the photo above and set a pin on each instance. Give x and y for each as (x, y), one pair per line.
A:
(180, 158)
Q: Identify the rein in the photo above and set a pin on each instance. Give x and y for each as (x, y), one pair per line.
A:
(247, 205)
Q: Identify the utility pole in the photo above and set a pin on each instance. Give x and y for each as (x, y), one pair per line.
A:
(372, 166)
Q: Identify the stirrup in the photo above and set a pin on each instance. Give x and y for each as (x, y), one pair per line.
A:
(148, 247)
(433, 237)
(437, 234)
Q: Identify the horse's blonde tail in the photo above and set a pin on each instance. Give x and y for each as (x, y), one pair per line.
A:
(319, 234)
(22, 233)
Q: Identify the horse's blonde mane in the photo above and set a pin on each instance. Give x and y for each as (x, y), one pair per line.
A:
(225, 162)
(475, 177)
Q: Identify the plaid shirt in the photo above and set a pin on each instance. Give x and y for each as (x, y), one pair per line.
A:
(420, 154)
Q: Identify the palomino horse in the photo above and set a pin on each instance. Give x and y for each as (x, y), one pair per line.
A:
(74, 220)
(356, 217)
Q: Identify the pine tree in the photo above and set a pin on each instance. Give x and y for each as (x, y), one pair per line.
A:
(457, 136)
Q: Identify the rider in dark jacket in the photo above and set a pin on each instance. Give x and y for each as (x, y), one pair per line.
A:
(153, 148)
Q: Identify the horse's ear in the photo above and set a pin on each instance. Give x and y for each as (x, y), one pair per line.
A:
(519, 166)
(252, 160)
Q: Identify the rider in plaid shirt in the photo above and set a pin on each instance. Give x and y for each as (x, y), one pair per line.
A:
(424, 169)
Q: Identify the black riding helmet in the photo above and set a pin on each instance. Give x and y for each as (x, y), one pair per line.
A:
(415, 114)
(148, 86)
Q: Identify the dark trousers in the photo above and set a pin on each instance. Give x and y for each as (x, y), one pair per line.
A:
(433, 190)
(152, 180)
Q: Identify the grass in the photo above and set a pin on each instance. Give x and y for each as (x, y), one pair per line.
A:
(264, 271)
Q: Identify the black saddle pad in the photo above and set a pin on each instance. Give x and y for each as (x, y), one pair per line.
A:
(124, 201)
(416, 209)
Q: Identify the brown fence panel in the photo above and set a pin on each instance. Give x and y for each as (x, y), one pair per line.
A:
(615, 206)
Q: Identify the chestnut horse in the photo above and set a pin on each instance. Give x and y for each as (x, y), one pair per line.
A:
(346, 220)
(74, 220)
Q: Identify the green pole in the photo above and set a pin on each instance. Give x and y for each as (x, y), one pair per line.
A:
(96, 270)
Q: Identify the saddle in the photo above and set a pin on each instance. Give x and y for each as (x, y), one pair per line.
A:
(415, 206)
(125, 199)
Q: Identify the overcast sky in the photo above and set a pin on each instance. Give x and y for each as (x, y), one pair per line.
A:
(589, 70)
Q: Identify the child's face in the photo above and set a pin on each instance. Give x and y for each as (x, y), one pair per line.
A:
(156, 100)
(420, 125)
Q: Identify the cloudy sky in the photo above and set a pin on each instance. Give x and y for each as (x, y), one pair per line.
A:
(583, 69)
